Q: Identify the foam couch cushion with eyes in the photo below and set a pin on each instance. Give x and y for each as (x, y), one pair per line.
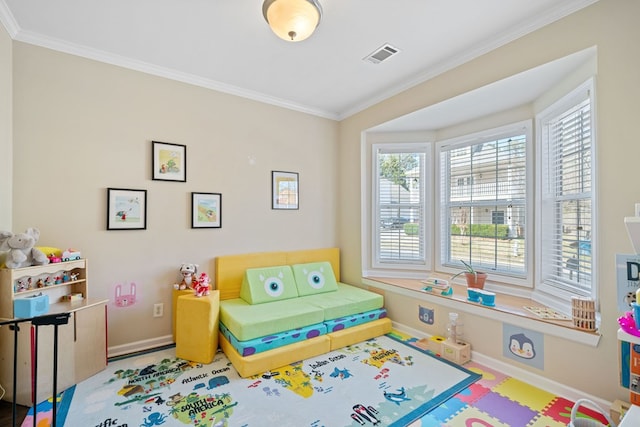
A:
(347, 300)
(314, 278)
(247, 321)
(268, 284)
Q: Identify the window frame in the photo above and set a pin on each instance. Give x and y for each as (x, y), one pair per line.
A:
(555, 296)
(525, 127)
(425, 230)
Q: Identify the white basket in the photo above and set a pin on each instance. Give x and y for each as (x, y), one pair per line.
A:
(587, 422)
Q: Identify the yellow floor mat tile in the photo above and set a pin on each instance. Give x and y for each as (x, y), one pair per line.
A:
(545, 421)
(524, 393)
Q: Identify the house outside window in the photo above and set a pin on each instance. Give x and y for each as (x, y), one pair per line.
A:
(484, 221)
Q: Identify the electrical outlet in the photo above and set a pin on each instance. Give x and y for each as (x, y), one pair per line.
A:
(158, 310)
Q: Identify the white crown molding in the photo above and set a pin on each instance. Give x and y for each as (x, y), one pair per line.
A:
(7, 19)
(145, 67)
(482, 48)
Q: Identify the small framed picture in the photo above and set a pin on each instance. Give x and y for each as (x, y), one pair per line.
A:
(126, 209)
(169, 161)
(206, 210)
(284, 190)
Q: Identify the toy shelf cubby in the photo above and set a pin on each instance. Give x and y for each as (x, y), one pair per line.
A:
(82, 342)
(9, 288)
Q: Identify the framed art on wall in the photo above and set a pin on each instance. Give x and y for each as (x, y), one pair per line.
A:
(284, 190)
(126, 209)
(169, 161)
(206, 210)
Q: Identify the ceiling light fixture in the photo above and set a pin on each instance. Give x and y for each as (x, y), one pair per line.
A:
(292, 20)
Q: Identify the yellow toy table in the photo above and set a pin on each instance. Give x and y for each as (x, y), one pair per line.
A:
(197, 327)
(174, 306)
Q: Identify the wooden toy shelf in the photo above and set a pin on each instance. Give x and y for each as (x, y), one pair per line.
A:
(83, 339)
(9, 278)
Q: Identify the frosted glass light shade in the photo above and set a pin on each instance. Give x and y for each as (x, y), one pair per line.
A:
(292, 20)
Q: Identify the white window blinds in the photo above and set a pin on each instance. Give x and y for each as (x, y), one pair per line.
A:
(567, 196)
(399, 209)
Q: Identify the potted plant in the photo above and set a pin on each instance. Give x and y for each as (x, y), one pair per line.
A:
(475, 279)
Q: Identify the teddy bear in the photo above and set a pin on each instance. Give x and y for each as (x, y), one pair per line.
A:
(21, 249)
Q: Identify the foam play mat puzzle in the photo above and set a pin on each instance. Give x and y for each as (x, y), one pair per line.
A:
(383, 381)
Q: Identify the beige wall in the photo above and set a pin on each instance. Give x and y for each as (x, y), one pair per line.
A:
(6, 146)
(81, 126)
(612, 26)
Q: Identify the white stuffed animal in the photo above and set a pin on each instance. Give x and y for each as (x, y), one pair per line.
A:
(21, 249)
(188, 273)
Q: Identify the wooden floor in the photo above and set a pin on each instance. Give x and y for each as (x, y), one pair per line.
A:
(6, 414)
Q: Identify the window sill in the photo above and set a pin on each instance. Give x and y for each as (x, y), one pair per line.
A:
(508, 309)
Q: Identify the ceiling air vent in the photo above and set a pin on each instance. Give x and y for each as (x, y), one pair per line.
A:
(381, 54)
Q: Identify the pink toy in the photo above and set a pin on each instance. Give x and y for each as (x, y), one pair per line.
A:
(628, 324)
(54, 259)
(23, 284)
(125, 300)
(201, 285)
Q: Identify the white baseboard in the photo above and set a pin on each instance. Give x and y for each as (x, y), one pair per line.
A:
(119, 350)
(528, 377)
